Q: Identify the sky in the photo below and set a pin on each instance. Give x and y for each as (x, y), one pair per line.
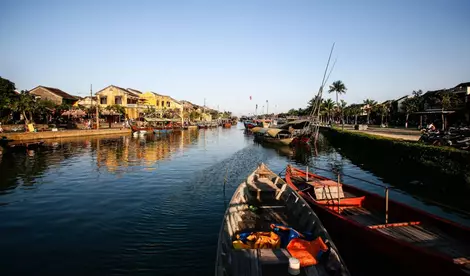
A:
(226, 51)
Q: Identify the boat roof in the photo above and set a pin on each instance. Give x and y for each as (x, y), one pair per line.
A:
(275, 131)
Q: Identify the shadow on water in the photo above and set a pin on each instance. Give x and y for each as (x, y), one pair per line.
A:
(430, 185)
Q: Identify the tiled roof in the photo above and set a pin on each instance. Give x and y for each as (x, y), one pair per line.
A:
(58, 92)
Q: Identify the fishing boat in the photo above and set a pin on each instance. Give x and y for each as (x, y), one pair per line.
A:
(417, 240)
(250, 124)
(137, 129)
(273, 135)
(268, 229)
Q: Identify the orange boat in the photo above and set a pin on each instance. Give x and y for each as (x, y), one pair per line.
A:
(227, 125)
(420, 241)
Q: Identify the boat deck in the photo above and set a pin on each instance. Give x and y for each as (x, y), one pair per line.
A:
(421, 235)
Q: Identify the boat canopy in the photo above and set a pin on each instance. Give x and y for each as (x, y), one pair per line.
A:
(257, 129)
(275, 131)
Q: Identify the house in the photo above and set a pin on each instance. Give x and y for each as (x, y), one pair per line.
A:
(53, 94)
(160, 102)
(397, 105)
(115, 95)
(204, 112)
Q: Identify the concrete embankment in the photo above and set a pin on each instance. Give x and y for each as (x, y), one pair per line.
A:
(395, 151)
(25, 136)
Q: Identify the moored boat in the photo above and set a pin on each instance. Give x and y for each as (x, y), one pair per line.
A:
(269, 229)
(273, 135)
(421, 242)
(227, 125)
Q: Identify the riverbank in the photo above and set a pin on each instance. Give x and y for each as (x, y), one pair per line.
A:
(395, 133)
(27, 136)
(423, 157)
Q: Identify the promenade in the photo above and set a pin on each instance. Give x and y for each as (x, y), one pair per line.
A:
(396, 133)
(25, 136)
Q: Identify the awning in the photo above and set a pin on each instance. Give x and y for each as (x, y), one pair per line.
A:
(275, 131)
(74, 113)
(256, 129)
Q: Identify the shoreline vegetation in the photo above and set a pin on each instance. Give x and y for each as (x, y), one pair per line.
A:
(446, 160)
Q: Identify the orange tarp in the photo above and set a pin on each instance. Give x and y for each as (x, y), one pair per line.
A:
(306, 251)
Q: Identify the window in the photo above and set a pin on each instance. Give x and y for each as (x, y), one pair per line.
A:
(103, 100)
(163, 103)
(167, 104)
(158, 103)
(118, 100)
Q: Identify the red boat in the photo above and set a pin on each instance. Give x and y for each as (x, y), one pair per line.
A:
(423, 243)
(135, 128)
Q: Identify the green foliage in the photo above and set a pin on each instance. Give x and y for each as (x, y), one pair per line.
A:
(7, 93)
(338, 87)
(445, 159)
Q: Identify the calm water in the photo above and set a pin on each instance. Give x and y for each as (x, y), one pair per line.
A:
(126, 205)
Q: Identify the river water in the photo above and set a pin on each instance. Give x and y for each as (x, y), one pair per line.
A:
(148, 205)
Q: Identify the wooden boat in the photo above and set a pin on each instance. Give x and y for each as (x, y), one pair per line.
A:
(417, 240)
(250, 124)
(227, 125)
(260, 202)
(273, 135)
(135, 128)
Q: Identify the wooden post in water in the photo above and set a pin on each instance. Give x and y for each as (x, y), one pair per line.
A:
(386, 206)
(306, 176)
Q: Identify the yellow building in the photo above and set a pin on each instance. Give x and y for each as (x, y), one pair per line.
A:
(159, 102)
(115, 95)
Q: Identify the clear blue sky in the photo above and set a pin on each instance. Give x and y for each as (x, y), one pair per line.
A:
(225, 51)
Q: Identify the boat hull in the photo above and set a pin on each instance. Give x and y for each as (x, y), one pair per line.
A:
(347, 232)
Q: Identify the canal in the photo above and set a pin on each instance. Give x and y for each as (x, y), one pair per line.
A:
(148, 205)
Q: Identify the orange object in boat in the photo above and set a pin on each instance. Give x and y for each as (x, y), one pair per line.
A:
(307, 252)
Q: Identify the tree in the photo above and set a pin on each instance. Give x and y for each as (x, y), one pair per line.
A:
(7, 96)
(25, 104)
(311, 104)
(342, 106)
(339, 88)
(355, 110)
(328, 106)
(410, 105)
(447, 100)
(368, 105)
(383, 110)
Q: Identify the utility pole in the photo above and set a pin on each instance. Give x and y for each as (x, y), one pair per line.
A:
(267, 107)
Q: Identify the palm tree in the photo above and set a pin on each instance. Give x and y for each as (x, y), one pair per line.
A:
(342, 106)
(383, 110)
(355, 110)
(368, 105)
(328, 106)
(410, 105)
(338, 87)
